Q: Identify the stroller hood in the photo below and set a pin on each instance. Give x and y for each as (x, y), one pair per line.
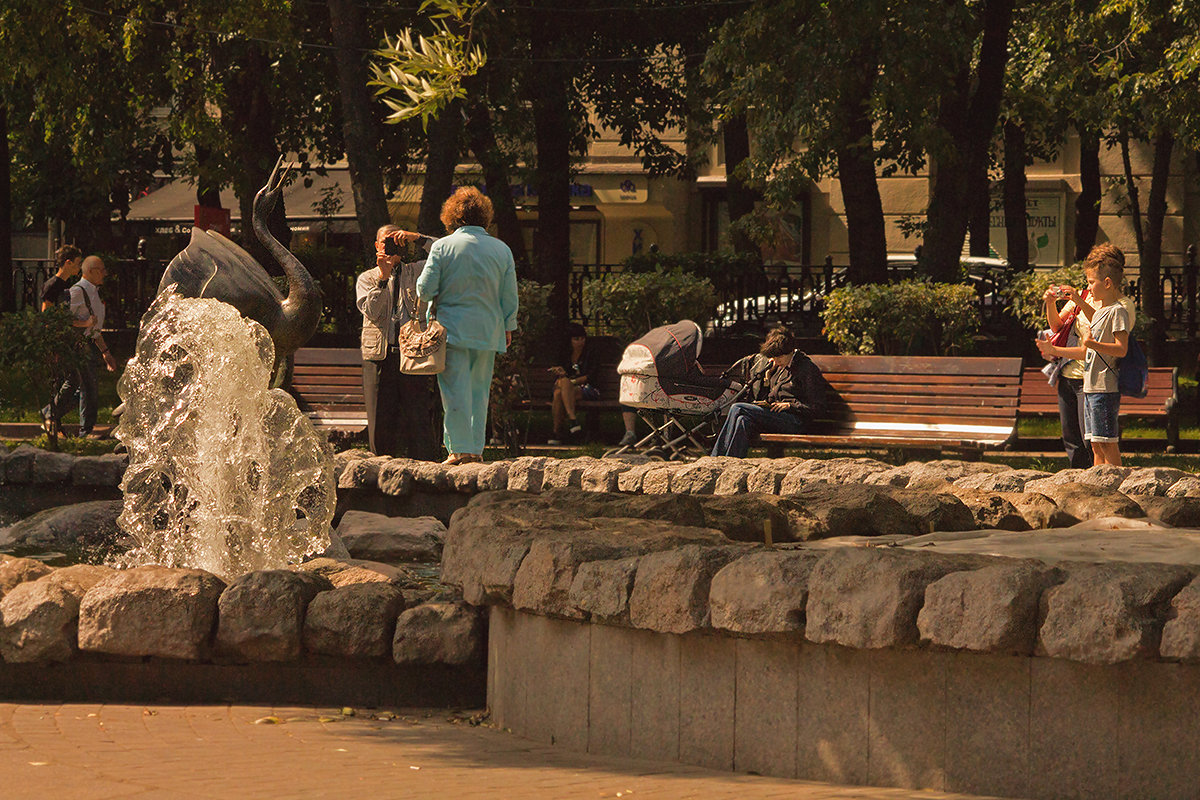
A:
(660, 370)
(670, 350)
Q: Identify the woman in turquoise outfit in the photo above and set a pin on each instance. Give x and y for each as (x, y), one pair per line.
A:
(474, 280)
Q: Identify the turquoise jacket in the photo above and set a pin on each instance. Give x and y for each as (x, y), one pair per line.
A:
(474, 279)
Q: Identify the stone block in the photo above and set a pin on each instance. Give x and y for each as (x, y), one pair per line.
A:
(766, 714)
(1074, 729)
(261, 614)
(1012, 480)
(831, 470)
(493, 477)
(525, 474)
(908, 703)
(18, 465)
(762, 593)
(78, 526)
(670, 590)
(51, 467)
(565, 473)
(1152, 481)
(356, 621)
(1181, 633)
(855, 510)
(654, 696)
(934, 511)
(377, 537)
(603, 475)
(601, 590)
(1185, 487)
(1157, 734)
(610, 691)
(464, 478)
(989, 610)
(103, 470)
(707, 689)
(833, 714)
(78, 578)
(362, 473)
(751, 517)
(1108, 613)
(987, 725)
(430, 476)
(931, 474)
(396, 478)
(733, 479)
(15, 571)
(542, 584)
(1085, 502)
(1039, 511)
(38, 623)
(556, 707)
(630, 480)
(990, 510)
(658, 479)
(151, 611)
(700, 476)
(869, 598)
(1174, 512)
(439, 633)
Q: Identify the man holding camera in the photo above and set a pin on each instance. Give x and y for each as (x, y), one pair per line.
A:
(377, 295)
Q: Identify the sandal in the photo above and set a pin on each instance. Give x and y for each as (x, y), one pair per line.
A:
(454, 459)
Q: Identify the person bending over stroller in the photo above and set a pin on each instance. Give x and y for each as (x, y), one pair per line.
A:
(787, 396)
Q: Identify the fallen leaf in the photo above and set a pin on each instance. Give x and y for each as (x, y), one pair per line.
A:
(267, 721)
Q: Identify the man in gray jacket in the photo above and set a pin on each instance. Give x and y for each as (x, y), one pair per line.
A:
(379, 295)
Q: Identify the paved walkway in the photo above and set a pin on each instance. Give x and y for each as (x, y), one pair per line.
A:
(111, 751)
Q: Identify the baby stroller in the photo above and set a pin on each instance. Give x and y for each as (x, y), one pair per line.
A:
(661, 378)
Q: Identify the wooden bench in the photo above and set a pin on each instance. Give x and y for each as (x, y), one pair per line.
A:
(327, 385)
(914, 402)
(1040, 399)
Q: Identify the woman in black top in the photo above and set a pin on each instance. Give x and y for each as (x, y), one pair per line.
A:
(572, 385)
(68, 259)
(788, 396)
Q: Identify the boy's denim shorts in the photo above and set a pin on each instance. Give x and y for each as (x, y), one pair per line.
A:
(1100, 416)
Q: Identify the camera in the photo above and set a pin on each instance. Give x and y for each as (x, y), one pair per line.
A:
(392, 248)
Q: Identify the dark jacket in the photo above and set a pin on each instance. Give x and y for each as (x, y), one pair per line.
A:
(800, 384)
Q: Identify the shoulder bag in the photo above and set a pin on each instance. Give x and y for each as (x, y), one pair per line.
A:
(422, 350)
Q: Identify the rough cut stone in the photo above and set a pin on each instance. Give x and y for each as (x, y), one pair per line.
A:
(18, 466)
(869, 597)
(565, 473)
(1038, 510)
(856, 510)
(831, 470)
(336, 549)
(931, 474)
(631, 479)
(3, 465)
(1175, 512)
(395, 478)
(357, 570)
(1185, 487)
(430, 477)
(1102, 476)
(1108, 613)
(525, 474)
(680, 509)
(763, 592)
(1012, 480)
(1181, 633)
(991, 510)
(601, 589)
(355, 621)
(745, 518)
(38, 622)
(544, 579)
(670, 589)
(1083, 501)
(438, 633)
(734, 478)
(768, 478)
(934, 511)
(989, 610)
(261, 614)
(493, 477)
(15, 571)
(80, 525)
(1152, 480)
(51, 467)
(602, 476)
(151, 611)
(465, 477)
(701, 476)
(362, 473)
(103, 470)
(658, 480)
(78, 578)
(378, 537)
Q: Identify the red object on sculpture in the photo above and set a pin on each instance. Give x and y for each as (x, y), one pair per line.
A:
(207, 218)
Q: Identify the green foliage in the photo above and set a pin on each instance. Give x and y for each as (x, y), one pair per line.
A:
(1024, 293)
(39, 349)
(912, 317)
(632, 303)
(510, 377)
(717, 268)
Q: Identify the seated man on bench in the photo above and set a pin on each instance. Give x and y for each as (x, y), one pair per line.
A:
(789, 395)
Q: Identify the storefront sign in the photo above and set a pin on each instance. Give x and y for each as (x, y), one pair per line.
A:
(1044, 221)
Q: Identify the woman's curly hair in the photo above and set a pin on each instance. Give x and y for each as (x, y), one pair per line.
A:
(467, 206)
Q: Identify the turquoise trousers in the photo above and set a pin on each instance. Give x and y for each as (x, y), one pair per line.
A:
(465, 385)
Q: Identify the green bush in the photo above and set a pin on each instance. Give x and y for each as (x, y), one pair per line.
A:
(510, 378)
(632, 303)
(1024, 293)
(38, 349)
(913, 317)
(718, 268)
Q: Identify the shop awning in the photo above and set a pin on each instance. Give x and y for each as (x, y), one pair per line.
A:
(175, 201)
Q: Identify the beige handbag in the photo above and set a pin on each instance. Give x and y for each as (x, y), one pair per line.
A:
(422, 350)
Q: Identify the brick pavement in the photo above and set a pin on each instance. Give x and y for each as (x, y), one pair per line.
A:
(119, 751)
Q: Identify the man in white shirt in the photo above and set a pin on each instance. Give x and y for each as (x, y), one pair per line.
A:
(87, 310)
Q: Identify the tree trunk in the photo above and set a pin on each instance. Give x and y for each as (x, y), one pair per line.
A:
(970, 119)
(1087, 204)
(1016, 224)
(857, 176)
(1149, 273)
(979, 221)
(8, 299)
(358, 122)
(441, 157)
(482, 138)
(1131, 189)
(208, 193)
(552, 134)
(739, 197)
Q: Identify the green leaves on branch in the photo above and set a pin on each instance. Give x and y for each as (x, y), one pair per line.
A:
(39, 349)
(1024, 293)
(632, 303)
(913, 317)
(420, 75)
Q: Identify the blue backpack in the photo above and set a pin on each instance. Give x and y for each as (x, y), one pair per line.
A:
(1133, 373)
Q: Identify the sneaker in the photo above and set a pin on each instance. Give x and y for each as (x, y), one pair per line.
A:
(576, 429)
(628, 439)
(554, 442)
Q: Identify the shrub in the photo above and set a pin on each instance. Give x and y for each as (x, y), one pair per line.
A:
(1024, 293)
(510, 378)
(39, 348)
(912, 317)
(630, 304)
(718, 268)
